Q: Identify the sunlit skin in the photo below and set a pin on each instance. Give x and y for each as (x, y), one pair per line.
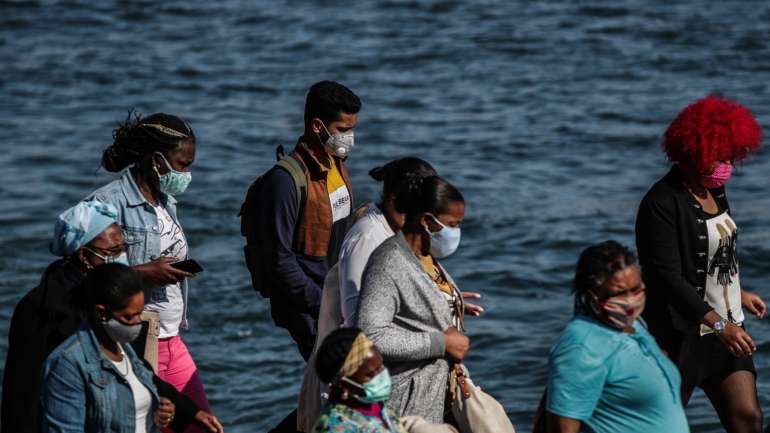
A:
(109, 243)
(159, 272)
(372, 366)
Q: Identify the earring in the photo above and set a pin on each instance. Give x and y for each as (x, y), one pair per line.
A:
(344, 394)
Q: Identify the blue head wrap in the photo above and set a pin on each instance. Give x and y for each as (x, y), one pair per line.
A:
(80, 224)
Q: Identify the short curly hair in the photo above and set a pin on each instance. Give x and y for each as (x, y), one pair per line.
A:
(709, 130)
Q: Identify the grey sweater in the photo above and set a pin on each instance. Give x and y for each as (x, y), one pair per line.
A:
(405, 315)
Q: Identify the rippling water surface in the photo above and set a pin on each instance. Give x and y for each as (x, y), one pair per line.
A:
(547, 115)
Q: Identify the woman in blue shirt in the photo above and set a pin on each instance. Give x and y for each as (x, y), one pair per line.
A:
(94, 382)
(606, 373)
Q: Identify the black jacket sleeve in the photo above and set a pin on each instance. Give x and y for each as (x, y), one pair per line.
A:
(185, 408)
(278, 216)
(657, 240)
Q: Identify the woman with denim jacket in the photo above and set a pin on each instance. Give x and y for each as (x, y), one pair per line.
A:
(160, 150)
(94, 381)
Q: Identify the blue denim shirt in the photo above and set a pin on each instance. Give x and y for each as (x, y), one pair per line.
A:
(139, 222)
(83, 391)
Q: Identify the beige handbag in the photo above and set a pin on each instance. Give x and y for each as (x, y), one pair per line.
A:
(474, 410)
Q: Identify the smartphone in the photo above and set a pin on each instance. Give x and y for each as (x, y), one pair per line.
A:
(188, 265)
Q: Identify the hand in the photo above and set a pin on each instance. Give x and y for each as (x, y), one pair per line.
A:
(472, 309)
(753, 303)
(737, 341)
(456, 343)
(164, 414)
(209, 422)
(159, 272)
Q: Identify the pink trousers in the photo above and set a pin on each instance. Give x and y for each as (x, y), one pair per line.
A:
(176, 366)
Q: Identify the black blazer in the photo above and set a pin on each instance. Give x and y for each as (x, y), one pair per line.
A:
(672, 243)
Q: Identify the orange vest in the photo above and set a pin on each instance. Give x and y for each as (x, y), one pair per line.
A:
(313, 231)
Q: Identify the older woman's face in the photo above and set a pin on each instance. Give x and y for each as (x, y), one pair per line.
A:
(626, 281)
(109, 243)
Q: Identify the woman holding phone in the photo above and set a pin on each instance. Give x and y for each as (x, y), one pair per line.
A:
(158, 151)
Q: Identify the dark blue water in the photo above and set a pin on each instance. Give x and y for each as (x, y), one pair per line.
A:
(547, 116)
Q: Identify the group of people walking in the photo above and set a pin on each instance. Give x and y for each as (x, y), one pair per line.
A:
(97, 345)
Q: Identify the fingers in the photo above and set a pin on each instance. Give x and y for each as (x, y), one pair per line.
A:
(761, 307)
(214, 425)
(473, 309)
(752, 308)
(471, 295)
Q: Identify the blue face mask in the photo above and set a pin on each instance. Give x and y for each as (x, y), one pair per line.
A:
(445, 241)
(121, 258)
(174, 182)
(376, 390)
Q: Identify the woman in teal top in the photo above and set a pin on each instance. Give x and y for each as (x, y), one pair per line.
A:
(606, 373)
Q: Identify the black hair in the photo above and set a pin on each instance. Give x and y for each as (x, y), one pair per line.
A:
(430, 194)
(112, 285)
(138, 136)
(599, 262)
(394, 174)
(327, 99)
(333, 351)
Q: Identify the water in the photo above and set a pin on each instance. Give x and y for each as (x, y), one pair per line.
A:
(548, 116)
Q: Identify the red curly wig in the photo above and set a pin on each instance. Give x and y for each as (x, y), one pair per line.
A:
(711, 129)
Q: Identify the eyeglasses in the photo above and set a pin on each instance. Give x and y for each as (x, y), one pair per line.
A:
(110, 252)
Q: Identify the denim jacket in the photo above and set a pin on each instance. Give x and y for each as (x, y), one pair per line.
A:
(84, 392)
(139, 222)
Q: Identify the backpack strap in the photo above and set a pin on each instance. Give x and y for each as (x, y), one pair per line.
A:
(295, 169)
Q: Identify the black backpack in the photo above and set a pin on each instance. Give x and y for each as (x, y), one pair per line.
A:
(251, 250)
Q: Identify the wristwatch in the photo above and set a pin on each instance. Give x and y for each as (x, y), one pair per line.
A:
(719, 326)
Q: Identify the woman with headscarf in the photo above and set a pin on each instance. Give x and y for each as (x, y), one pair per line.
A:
(687, 242)
(359, 385)
(85, 236)
(606, 374)
(159, 151)
(415, 315)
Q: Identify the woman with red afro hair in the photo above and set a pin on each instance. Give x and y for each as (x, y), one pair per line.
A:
(687, 243)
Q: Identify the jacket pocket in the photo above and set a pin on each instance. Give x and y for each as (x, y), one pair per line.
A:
(136, 245)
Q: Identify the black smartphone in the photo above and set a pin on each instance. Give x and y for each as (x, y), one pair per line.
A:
(188, 265)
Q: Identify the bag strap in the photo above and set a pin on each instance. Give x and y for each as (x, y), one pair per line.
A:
(297, 172)
(462, 381)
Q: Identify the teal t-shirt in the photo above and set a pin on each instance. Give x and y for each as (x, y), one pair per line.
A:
(612, 381)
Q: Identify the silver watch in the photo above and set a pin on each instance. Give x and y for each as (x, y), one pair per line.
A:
(719, 326)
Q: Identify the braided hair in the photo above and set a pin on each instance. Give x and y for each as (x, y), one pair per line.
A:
(596, 264)
(138, 136)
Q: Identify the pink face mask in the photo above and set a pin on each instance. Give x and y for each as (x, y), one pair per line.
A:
(620, 311)
(718, 177)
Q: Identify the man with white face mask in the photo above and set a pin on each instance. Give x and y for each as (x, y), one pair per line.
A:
(297, 220)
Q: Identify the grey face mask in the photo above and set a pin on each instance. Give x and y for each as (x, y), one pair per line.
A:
(121, 332)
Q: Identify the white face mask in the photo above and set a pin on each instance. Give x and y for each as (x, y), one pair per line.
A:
(339, 144)
(444, 242)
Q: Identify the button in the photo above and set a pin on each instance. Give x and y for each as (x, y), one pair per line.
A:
(702, 237)
(700, 221)
(700, 271)
(698, 288)
(155, 228)
(696, 206)
(701, 254)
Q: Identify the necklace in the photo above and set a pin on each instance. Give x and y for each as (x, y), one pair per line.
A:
(123, 361)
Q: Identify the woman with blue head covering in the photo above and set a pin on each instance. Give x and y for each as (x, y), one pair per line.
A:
(85, 236)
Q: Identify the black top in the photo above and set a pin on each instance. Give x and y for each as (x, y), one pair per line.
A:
(672, 242)
(43, 319)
